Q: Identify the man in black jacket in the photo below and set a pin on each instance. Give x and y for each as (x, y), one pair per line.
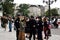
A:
(32, 28)
(17, 25)
(39, 26)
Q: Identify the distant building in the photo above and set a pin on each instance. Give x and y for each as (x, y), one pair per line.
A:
(16, 10)
(36, 10)
(46, 7)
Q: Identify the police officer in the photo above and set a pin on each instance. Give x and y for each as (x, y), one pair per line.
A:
(39, 26)
(27, 28)
(32, 23)
(17, 25)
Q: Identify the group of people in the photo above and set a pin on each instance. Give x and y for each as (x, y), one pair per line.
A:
(36, 26)
(29, 25)
(6, 21)
(33, 26)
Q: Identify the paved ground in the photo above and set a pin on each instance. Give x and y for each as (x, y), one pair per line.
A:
(5, 35)
(55, 35)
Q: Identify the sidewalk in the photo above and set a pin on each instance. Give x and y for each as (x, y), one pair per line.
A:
(53, 37)
(6, 35)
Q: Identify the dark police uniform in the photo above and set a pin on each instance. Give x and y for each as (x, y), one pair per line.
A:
(17, 25)
(39, 27)
(32, 24)
(27, 28)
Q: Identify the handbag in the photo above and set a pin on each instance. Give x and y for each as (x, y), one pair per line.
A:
(49, 26)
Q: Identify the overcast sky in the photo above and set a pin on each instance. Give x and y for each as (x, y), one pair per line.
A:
(38, 2)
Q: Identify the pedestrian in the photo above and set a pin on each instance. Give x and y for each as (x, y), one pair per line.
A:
(22, 28)
(39, 26)
(27, 28)
(49, 27)
(55, 23)
(4, 22)
(45, 28)
(10, 24)
(17, 25)
(32, 23)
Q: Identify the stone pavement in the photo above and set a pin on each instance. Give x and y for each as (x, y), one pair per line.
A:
(6, 35)
(55, 35)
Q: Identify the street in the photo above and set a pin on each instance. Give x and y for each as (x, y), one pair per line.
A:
(6, 35)
(55, 35)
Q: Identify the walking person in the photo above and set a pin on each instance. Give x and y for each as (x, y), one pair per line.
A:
(4, 22)
(10, 24)
(39, 26)
(55, 23)
(32, 28)
(45, 28)
(22, 27)
(49, 27)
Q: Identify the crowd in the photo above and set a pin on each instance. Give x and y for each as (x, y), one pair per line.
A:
(36, 26)
(31, 25)
(5, 21)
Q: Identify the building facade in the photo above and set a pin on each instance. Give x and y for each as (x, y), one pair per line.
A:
(35, 10)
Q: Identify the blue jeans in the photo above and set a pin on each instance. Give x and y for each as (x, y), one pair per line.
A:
(10, 26)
